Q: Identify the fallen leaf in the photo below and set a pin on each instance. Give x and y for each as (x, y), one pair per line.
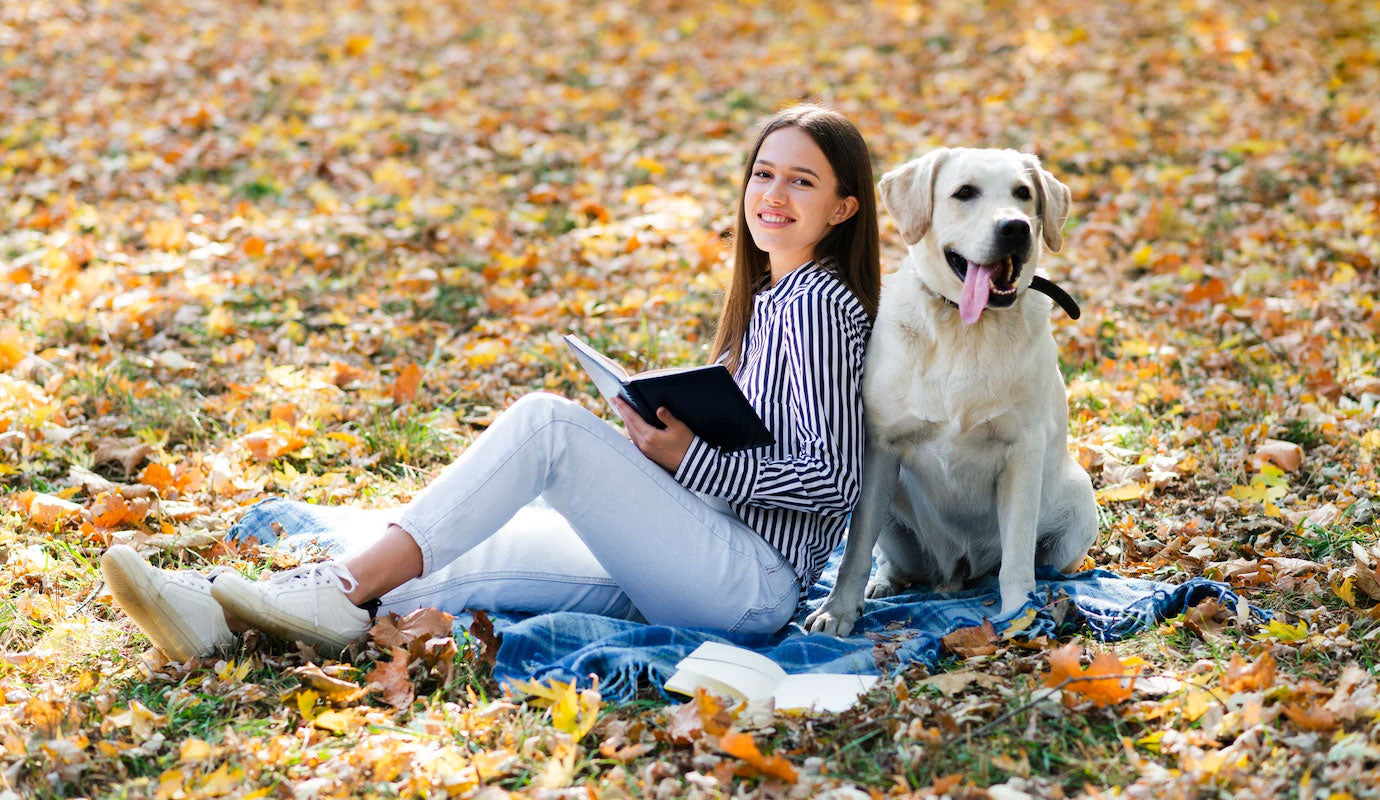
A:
(1102, 680)
(391, 631)
(1209, 617)
(1246, 677)
(482, 629)
(977, 640)
(741, 745)
(1285, 455)
(335, 690)
(1310, 718)
(390, 679)
(404, 389)
(128, 453)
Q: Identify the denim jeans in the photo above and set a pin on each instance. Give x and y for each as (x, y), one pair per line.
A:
(615, 535)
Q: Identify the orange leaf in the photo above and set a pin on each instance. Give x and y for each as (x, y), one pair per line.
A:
(714, 718)
(285, 413)
(111, 511)
(12, 349)
(1311, 718)
(1102, 691)
(741, 745)
(157, 476)
(253, 247)
(343, 374)
(978, 640)
(405, 387)
(391, 679)
(1241, 677)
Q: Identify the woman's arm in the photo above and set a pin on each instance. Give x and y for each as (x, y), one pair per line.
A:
(824, 347)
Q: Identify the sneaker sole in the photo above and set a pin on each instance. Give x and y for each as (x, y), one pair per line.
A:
(246, 605)
(128, 576)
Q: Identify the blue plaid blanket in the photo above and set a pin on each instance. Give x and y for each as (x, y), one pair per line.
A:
(893, 632)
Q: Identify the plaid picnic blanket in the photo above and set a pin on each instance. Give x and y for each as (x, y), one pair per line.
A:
(892, 633)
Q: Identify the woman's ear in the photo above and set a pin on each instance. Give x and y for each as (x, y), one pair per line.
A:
(847, 208)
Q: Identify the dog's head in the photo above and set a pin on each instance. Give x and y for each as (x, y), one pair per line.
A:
(976, 218)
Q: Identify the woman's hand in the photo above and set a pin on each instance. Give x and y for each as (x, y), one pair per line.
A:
(665, 446)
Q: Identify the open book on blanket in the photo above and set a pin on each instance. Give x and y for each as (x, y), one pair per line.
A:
(706, 398)
(730, 671)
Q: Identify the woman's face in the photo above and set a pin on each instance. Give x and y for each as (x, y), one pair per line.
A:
(791, 200)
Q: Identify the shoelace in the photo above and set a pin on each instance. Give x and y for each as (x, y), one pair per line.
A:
(194, 579)
(313, 574)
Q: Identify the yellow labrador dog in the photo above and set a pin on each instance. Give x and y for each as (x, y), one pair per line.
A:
(967, 470)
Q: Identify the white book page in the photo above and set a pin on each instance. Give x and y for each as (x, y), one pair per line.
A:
(753, 676)
(607, 376)
(821, 692)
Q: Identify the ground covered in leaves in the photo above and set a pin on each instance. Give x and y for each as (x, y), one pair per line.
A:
(309, 249)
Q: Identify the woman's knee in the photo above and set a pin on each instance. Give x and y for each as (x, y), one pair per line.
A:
(544, 406)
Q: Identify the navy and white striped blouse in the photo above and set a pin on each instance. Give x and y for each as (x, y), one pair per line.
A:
(802, 369)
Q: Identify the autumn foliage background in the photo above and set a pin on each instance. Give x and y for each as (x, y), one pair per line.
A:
(308, 249)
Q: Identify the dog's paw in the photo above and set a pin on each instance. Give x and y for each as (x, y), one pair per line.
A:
(833, 621)
(881, 588)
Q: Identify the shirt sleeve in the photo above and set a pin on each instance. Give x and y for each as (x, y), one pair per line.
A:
(824, 349)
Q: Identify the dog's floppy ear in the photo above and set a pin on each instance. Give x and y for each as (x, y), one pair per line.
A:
(908, 194)
(1054, 199)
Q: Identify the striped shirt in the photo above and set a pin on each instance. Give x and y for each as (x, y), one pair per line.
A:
(801, 368)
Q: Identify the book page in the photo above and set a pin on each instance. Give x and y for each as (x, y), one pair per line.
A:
(749, 674)
(822, 692)
(607, 376)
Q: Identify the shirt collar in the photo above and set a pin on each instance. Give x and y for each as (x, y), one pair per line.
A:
(776, 292)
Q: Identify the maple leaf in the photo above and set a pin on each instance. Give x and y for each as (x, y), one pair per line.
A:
(390, 678)
(1245, 677)
(976, 640)
(683, 724)
(1100, 682)
(741, 745)
(157, 476)
(572, 710)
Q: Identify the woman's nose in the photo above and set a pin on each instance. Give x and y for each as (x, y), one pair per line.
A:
(774, 193)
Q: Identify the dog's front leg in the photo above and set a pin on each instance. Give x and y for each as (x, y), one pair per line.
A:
(1018, 513)
(880, 476)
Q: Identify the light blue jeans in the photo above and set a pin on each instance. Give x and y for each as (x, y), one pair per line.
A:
(615, 535)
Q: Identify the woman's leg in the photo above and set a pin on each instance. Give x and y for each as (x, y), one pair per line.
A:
(680, 560)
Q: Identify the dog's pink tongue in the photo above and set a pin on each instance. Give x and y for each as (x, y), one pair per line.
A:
(977, 285)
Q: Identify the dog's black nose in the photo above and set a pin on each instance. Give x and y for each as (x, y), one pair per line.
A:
(1013, 231)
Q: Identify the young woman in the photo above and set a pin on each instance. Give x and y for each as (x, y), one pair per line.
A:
(656, 525)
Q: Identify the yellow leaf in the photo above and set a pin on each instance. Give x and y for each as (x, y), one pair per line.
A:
(1346, 590)
(1283, 631)
(193, 750)
(12, 349)
(650, 165)
(306, 702)
(1019, 624)
(1129, 490)
(572, 711)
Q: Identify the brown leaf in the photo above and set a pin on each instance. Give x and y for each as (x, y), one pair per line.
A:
(482, 629)
(1368, 580)
(128, 453)
(1207, 618)
(741, 745)
(424, 623)
(1243, 677)
(390, 679)
(157, 476)
(978, 640)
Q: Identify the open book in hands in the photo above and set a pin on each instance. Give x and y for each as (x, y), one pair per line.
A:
(706, 399)
(730, 671)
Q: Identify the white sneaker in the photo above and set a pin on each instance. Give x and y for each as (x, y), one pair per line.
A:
(306, 604)
(174, 608)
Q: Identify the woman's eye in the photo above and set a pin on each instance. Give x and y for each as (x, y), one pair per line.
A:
(803, 182)
(761, 173)
(965, 192)
(1022, 193)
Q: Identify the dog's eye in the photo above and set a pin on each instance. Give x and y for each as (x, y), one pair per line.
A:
(1021, 193)
(965, 192)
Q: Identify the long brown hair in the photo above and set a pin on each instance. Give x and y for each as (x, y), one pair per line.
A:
(852, 244)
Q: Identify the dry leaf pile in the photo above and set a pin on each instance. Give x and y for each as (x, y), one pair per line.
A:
(310, 249)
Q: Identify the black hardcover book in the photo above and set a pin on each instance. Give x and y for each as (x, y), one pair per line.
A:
(706, 399)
